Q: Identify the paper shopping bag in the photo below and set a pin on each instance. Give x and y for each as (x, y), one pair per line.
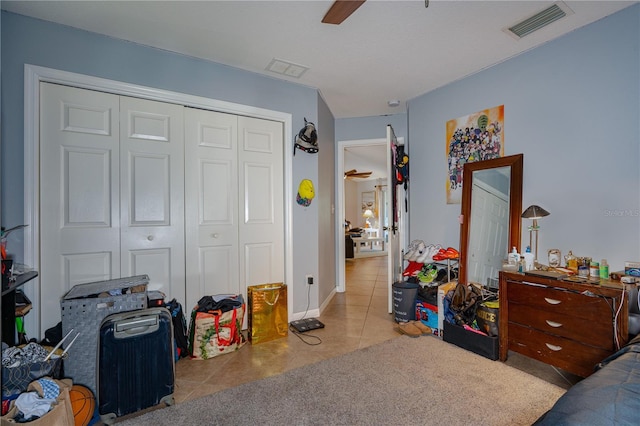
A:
(267, 312)
(61, 412)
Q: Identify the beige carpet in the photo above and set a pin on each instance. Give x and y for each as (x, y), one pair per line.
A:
(402, 381)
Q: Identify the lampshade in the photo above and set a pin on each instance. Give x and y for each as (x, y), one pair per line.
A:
(367, 213)
(534, 212)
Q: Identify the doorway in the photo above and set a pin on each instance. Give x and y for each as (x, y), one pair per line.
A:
(373, 157)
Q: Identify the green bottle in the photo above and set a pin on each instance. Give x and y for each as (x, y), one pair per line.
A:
(604, 270)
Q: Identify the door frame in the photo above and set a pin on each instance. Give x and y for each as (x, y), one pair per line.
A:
(34, 75)
(340, 217)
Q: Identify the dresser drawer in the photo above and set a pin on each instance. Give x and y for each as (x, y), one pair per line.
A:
(597, 332)
(567, 354)
(558, 301)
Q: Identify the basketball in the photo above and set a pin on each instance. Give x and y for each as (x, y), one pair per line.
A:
(83, 404)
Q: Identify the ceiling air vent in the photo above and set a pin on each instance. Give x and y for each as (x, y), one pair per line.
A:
(290, 69)
(539, 20)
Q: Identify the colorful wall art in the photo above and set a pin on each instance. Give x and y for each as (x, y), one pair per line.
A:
(475, 137)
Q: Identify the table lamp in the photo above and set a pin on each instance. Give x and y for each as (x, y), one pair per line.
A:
(534, 212)
(368, 214)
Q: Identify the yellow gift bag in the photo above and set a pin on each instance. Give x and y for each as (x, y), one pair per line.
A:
(267, 312)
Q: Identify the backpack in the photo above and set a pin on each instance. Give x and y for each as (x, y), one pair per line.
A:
(464, 303)
(179, 328)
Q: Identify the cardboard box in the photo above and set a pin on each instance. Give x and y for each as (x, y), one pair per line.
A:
(443, 289)
(427, 314)
(632, 268)
(488, 347)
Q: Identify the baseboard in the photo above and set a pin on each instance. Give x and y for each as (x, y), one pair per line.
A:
(314, 313)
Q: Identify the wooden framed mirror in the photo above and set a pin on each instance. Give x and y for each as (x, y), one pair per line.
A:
(490, 224)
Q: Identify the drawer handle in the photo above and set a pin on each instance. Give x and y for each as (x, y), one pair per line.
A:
(552, 301)
(553, 347)
(554, 324)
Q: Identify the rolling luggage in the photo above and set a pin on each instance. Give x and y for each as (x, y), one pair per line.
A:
(135, 362)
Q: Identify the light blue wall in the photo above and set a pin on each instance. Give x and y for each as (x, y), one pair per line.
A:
(572, 107)
(31, 41)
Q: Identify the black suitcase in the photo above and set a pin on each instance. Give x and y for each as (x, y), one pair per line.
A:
(136, 367)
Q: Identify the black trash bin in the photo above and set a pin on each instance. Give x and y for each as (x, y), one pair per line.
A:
(404, 301)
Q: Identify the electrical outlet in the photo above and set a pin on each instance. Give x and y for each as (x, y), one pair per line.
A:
(309, 279)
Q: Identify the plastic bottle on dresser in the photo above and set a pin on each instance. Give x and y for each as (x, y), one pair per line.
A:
(604, 269)
(514, 257)
(528, 259)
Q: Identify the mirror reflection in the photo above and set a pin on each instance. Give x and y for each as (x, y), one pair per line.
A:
(491, 206)
(488, 225)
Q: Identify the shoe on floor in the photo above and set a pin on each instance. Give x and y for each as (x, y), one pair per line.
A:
(409, 329)
(424, 329)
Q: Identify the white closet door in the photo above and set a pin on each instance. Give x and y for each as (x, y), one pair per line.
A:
(261, 239)
(152, 193)
(211, 211)
(79, 192)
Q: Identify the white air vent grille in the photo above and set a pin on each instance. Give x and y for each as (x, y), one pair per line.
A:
(287, 68)
(539, 20)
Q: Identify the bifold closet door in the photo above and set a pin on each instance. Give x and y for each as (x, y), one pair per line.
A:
(152, 194)
(79, 192)
(261, 187)
(211, 212)
(111, 192)
(234, 212)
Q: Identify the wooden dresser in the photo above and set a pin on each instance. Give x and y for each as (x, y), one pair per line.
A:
(572, 326)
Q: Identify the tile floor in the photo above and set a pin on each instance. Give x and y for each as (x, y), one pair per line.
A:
(355, 319)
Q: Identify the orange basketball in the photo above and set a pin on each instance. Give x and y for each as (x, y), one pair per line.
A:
(83, 404)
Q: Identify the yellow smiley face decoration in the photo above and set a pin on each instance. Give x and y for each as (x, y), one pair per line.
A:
(305, 192)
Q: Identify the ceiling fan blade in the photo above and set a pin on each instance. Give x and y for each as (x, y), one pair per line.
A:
(360, 175)
(350, 172)
(341, 10)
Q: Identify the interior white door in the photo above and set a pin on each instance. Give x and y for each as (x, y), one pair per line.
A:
(489, 225)
(396, 221)
(152, 194)
(261, 206)
(211, 213)
(79, 192)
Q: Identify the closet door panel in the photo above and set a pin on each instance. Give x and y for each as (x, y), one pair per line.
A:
(152, 192)
(261, 230)
(79, 192)
(87, 267)
(259, 193)
(150, 196)
(211, 210)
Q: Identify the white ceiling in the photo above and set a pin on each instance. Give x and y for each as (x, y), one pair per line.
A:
(387, 50)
